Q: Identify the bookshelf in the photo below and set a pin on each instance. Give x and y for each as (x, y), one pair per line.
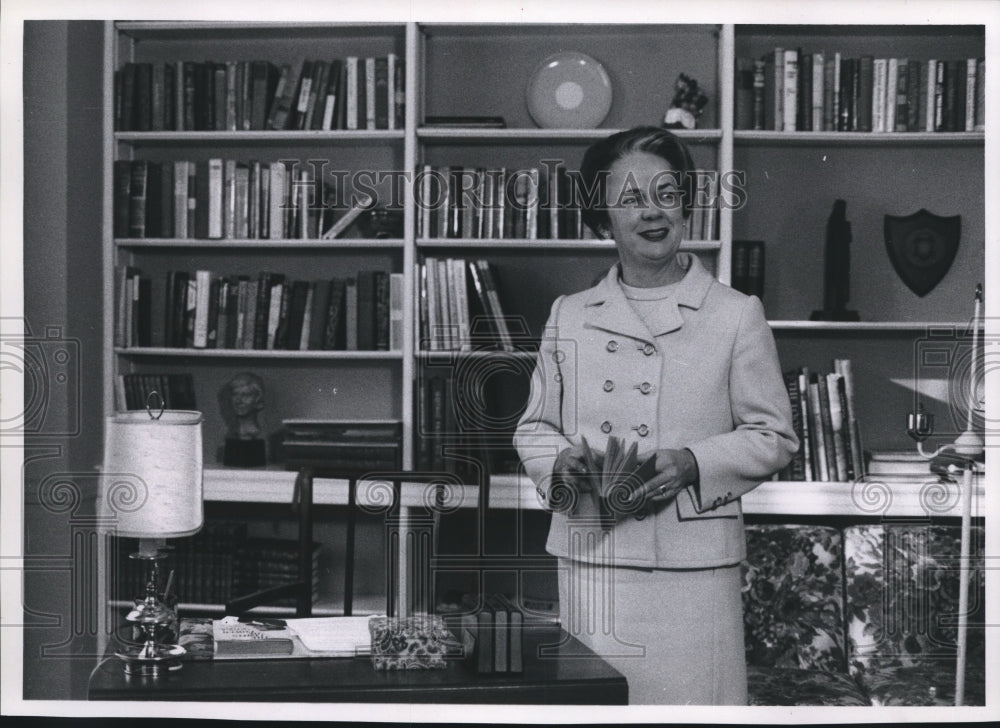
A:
(793, 178)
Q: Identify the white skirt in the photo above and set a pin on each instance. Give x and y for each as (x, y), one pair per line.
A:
(675, 634)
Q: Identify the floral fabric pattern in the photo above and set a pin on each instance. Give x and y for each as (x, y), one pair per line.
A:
(791, 686)
(902, 587)
(928, 683)
(792, 597)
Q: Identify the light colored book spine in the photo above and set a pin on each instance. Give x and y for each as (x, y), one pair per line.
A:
(276, 196)
(395, 312)
(807, 436)
(369, 93)
(837, 101)
(215, 198)
(790, 89)
(391, 60)
(351, 97)
(929, 95)
(426, 190)
(970, 94)
(274, 313)
(878, 94)
(818, 90)
(203, 285)
(892, 77)
(980, 121)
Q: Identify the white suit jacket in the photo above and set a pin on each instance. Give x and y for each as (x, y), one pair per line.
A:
(707, 379)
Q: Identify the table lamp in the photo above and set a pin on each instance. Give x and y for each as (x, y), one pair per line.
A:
(151, 489)
(968, 447)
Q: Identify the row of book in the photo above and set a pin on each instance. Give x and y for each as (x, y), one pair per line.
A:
(345, 93)
(450, 437)
(823, 415)
(349, 446)
(176, 391)
(793, 90)
(493, 638)
(203, 310)
(223, 199)
(531, 203)
(460, 306)
(748, 267)
(219, 564)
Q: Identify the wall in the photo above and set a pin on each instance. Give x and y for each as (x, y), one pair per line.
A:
(62, 305)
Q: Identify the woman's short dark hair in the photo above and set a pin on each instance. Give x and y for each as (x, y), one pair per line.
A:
(599, 157)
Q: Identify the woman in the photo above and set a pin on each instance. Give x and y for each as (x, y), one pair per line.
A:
(661, 354)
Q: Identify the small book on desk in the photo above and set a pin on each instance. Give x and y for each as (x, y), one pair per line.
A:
(266, 638)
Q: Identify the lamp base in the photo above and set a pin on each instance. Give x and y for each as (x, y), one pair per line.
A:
(151, 659)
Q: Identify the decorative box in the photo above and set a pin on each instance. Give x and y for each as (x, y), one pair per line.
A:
(419, 642)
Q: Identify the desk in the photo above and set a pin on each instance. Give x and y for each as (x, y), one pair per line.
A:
(572, 676)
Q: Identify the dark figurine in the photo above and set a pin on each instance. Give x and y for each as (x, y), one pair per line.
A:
(837, 268)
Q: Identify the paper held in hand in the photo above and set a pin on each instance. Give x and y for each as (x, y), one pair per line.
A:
(616, 474)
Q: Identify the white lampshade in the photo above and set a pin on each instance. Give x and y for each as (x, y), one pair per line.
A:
(151, 481)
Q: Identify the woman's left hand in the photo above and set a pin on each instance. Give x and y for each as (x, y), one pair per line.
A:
(675, 470)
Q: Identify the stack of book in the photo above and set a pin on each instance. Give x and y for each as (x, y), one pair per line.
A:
(899, 466)
(264, 563)
(823, 415)
(176, 390)
(794, 90)
(348, 445)
(345, 93)
(224, 199)
(532, 203)
(459, 306)
(208, 311)
(494, 637)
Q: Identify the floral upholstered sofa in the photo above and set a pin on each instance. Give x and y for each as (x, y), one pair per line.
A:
(866, 615)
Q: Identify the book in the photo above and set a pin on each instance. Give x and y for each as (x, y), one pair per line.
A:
(256, 638)
(619, 472)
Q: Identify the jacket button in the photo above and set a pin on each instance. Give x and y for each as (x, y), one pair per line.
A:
(612, 346)
(643, 430)
(645, 387)
(649, 350)
(640, 516)
(605, 427)
(608, 385)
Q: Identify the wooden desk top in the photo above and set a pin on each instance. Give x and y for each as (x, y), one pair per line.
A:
(565, 673)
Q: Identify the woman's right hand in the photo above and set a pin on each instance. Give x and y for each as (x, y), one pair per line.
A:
(569, 480)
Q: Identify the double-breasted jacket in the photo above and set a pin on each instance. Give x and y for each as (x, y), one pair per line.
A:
(705, 377)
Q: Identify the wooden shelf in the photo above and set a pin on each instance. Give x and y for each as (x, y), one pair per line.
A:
(866, 498)
(865, 326)
(262, 138)
(159, 351)
(364, 604)
(857, 138)
(550, 244)
(474, 135)
(274, 245)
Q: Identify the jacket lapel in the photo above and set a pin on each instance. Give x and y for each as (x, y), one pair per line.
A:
(608, 309)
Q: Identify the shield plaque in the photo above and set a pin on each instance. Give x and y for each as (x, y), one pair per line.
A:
(922, 247)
